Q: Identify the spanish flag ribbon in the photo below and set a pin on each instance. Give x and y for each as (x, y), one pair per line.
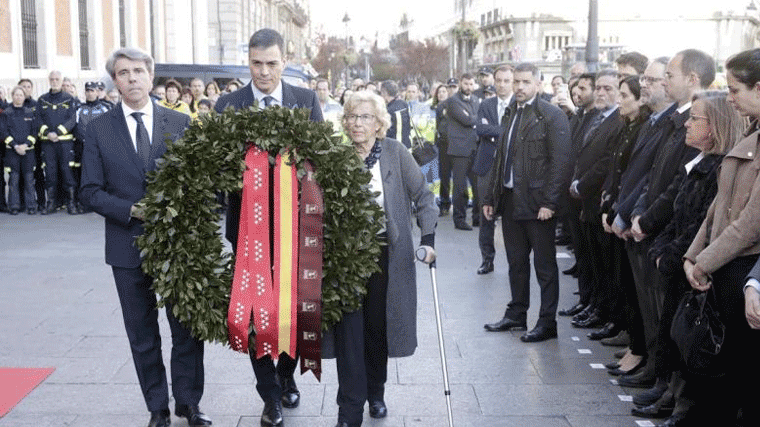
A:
(278, 268)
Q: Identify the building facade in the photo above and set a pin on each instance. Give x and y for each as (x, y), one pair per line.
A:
(76, 36)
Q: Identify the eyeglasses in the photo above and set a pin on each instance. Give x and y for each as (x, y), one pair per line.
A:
(364, 118)
(650, 80)
(692, 117)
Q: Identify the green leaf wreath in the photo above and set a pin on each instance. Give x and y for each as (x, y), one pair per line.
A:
(182, 245)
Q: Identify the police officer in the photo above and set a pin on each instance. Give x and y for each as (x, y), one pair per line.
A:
(56, 117)
(86, 113)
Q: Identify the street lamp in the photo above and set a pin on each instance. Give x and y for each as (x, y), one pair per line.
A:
(345, 56)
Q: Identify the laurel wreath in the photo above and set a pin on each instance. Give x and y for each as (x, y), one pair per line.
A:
(182, 246)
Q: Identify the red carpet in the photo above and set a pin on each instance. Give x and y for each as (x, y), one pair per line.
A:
(16, 383)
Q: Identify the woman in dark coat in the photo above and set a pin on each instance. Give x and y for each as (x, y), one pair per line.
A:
(18, 138)
(386, 326)
(621, 292)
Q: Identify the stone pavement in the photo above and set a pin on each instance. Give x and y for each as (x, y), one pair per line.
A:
(59, 309)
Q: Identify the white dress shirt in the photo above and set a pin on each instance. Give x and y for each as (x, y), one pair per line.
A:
(276, 95)
(147, 119)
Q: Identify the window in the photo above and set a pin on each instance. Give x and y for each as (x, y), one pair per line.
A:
(29, 33)
(84, 37)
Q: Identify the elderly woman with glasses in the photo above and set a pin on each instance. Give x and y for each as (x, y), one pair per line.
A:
(386, 326)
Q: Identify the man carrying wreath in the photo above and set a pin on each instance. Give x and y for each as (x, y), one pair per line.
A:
(275, 384)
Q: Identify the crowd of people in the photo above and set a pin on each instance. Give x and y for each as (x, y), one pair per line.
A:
(649, 168)
(653, 176)
(43, 138)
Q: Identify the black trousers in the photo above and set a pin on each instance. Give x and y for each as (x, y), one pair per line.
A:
(649, 290)
(20, 166)
(585, 270)
(361, 349)
(462, 171)
(520, 238)
(268, 375)
(444, 174)
(138, 306)
(58, 156)
(487, 228)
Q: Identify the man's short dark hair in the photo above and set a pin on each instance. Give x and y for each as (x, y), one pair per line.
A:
(700, 63)
(527, 67)
(588, 76)
(390, 87)
(205, 102)
(606, 72)
(266, 38)
(25, 80)
(634, 59)
(467, 76)
(504, 68)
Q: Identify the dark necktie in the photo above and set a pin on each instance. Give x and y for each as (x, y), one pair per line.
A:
(594, 124)
(267, 101)
(142, 140)
(503, 118)
(510, 148)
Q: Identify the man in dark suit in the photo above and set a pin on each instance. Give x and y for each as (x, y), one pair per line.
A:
(462, 115)
(275, 385)
(531, 175)
(591, 166)
(121, 146)
(489, 128)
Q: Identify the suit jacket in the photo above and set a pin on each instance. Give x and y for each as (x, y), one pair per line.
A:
(113, 176)
(462, 118)
(292, 97)
(593, 163)
(488, 130)
(649, 140)
(540, 162)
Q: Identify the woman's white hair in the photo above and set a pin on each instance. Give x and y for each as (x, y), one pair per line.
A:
(377, 103)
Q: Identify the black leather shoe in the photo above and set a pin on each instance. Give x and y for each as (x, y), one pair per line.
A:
(193, 414)
(505, 324)
(572, 311)
(443, 212)
(462, 226)
(272, 415)
(13, 211)
(592, 321)
(572, 270)
(377, 409)
(639, 380)
(662, 408)
(475, 222)
(291, 397)
(649, 397)
(609, 330)
(345, 424)
(161, 418)
(584, 314)
(539, 333)
(612, 365)
(31, 211)
(620, 373)
(486, 267)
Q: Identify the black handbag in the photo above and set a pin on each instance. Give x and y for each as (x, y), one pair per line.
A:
(699, 333)
(423, 151)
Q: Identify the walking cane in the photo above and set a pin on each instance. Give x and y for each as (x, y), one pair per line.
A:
(421, 253)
